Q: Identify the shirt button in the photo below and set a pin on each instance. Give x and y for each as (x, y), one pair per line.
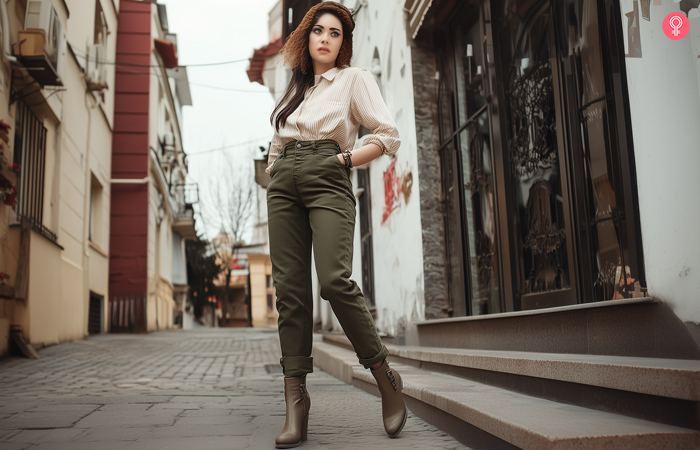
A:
(298, 145)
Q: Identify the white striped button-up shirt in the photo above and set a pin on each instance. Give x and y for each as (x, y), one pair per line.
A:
(334, 108)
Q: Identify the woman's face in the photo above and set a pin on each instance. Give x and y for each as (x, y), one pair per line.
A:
(325, 39)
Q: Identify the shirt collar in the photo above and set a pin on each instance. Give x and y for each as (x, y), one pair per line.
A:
(330, 74)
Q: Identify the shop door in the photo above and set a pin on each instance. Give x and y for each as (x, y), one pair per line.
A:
(536, 158)
(467, 161)
(508, 215)
(535, 164)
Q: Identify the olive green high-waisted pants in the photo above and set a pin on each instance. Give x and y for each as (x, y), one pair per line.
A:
(310, 199)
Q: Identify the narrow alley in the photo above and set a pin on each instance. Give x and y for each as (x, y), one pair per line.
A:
(203, 389)
(492, 204)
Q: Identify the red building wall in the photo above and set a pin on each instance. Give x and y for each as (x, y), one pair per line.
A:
(128, 271)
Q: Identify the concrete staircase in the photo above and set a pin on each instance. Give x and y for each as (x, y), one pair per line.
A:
(490, 399)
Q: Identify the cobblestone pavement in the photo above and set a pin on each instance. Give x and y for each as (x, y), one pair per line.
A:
(203, 389)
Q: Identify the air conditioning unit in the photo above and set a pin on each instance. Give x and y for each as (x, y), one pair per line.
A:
(42, 16)
(96, 72)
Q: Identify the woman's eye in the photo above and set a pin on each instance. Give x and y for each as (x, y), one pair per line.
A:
(335, 34)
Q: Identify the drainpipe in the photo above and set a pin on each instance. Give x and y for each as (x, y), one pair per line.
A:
(156, 271)
(159, 249)
(86, 204)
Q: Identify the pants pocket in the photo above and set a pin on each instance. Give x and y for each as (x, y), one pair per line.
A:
(337, 161)
(343, 168)
(275, 166)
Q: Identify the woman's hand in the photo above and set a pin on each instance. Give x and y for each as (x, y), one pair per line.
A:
(340, 158)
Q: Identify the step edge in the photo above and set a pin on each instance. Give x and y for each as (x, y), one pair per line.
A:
(412, 388)
(355, 371)
(343, 340)
(535, 312)
(674, 383)
(677, 383)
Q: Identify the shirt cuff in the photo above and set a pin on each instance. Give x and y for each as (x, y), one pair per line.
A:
(374, 139)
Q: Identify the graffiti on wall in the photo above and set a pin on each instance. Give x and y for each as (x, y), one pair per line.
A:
(395, 187)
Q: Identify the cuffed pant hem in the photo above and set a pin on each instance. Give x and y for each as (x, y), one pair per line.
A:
(381, 356)
(296, 366)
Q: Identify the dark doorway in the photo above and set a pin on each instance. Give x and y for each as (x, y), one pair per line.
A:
(364, 200)
(95, 314)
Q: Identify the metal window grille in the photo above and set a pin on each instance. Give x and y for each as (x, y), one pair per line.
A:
(30, 154)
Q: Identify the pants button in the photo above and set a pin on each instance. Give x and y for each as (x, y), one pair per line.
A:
(298, 145)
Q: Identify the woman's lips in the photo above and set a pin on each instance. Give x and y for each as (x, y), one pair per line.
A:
(323, 50)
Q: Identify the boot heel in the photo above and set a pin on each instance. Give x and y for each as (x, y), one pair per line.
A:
(304, 427)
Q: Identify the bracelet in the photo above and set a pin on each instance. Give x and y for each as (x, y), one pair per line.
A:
(348, 158)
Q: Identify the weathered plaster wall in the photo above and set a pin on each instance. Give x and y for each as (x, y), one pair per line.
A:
(396, 215)
(665, 108)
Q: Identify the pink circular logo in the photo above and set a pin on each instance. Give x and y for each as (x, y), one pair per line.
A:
(676, 26)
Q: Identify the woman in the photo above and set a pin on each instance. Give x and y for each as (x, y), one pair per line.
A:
(310, 199)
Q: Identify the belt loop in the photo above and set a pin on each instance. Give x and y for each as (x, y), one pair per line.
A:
(313, 146)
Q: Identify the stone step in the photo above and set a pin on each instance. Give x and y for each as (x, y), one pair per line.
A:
(673, 378)
(484, 416)
(635, 327)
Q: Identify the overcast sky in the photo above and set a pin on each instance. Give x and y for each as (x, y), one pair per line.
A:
(213, 31)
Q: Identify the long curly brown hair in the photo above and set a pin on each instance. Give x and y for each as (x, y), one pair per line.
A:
(296, 54)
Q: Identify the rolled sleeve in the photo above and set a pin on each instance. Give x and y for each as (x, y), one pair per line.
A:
(275, 148)
(369, 110)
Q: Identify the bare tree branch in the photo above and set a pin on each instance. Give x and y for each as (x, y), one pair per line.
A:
(229, 204)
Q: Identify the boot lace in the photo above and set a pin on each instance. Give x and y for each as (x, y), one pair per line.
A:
(391, 377)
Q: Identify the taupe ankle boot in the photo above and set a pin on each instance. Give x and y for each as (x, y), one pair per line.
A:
(298, 404)
(393, 407)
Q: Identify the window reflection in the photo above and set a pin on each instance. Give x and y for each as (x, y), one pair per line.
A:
(612, 271)
(535, 165)
(453, 227)
(480, 215)
(472, 205)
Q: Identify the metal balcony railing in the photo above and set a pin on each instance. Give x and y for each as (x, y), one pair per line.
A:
(185, 195)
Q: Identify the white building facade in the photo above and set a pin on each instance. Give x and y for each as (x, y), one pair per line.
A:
(57, 97)
(530, 177)
(639, 225)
